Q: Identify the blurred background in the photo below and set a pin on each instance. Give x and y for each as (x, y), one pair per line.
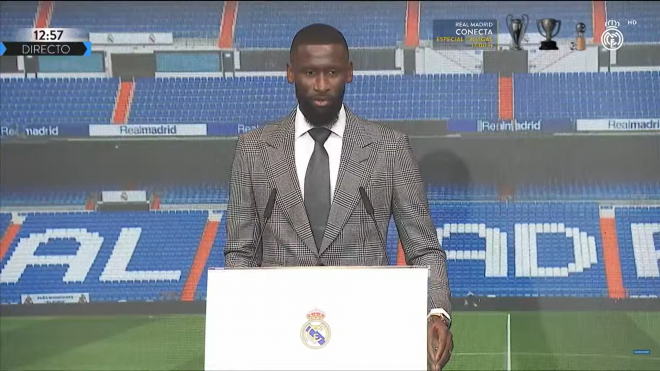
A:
(542, 169)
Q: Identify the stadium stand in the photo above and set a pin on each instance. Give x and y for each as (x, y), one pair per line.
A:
(587, 95)
(265, 24)
(42, 198)
(492, 248)
(242, 100)
(645, 13)
(231, 101)
(572, 192)
(511, 259)
(475, 192)
(166, 247)
(639, 228)
(15, 15)
(58, 101)
(4, 222)
(194, 195)
(570, 13)
(218, 194)
(197, 20)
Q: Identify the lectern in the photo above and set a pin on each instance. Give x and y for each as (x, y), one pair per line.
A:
(317, 318)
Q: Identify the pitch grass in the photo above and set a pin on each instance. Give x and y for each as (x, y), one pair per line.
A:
(539, 341)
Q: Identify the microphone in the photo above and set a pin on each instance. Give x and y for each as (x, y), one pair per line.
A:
(267, 214)
(370, 211)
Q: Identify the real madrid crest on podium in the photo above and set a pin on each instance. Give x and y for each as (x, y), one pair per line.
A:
(315, 333)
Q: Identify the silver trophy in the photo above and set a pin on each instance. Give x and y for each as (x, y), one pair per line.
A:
(547, 29)
(517, 28)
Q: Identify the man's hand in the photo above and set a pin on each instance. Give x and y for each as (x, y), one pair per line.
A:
(440, 343)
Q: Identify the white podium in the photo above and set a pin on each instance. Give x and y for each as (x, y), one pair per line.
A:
(317, 318)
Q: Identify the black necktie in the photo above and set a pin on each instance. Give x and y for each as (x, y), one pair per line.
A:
(317, 185)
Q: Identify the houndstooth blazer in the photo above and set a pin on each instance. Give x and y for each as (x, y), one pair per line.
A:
(374, 157)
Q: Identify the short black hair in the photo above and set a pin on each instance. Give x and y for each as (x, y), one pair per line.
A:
(318, 34)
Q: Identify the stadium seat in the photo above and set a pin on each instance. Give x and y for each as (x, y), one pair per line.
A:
(250, 101)
(197, 20)
(15, 15)
(166, 243)
(587, 95)
(639, 226)
(59, 101)
(645, 29)
(523, 249)
(544, 240)
(258, 100)
(42, 198)
(268, 25)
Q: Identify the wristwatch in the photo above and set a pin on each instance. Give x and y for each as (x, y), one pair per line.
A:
(444, 319)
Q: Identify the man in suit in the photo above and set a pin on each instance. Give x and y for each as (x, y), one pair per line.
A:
(317, 158)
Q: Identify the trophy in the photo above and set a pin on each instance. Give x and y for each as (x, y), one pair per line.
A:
(581, 43)
(546, 29)
(517, 28)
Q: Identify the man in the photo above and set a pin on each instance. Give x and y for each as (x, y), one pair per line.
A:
(317, 158)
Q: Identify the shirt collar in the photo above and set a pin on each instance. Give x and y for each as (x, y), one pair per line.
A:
(302, 126)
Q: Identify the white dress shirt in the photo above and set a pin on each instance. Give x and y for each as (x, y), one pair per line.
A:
(304, 147)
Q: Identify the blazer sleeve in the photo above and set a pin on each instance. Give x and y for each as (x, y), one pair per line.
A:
(241, 215)
(416, 230)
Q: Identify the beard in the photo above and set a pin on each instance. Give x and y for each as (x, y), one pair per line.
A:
(320, 116)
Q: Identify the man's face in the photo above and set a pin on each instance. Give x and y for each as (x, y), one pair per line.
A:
(320, 73)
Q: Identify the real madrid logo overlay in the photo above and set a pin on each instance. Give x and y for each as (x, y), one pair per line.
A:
(612, 38)
(315, 333)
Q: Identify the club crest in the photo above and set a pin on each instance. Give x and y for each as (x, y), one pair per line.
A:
(315, 333)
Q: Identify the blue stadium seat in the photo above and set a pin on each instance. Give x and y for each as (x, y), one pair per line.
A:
(194, 195)
(15, 15)
(58, 101)
(474, 192)
(493, 248)
(167, 242)
(5, 219)
(257, 100)
(42, 198)
(582, 95)
(639, 228)
(569, 192)
(195, 20)
(500, 224)
(645, 13)
(266, 24)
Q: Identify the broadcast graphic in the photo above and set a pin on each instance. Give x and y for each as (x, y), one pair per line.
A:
(47, 42)
(152, 152)
(462, 34)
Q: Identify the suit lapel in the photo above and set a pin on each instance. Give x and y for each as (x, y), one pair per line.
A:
(280, 167)
(354, 171)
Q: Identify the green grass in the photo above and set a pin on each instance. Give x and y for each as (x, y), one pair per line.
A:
(539, 341)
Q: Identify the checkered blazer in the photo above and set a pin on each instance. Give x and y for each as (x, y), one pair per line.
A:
(374, 157)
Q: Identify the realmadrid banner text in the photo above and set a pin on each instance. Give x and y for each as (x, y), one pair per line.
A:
(80, 48)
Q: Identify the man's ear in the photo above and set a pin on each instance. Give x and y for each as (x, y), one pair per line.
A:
(349, 78)
(289, 73)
